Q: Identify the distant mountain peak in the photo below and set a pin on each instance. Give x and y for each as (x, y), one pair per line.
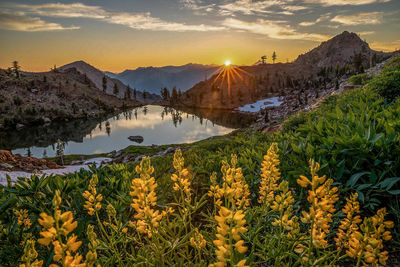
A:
(339, 49)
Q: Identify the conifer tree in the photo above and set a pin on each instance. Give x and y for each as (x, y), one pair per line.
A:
(128, 93)
(104, 83)
(116, 89)
(16, 68)
(273, 57)
(144, 96)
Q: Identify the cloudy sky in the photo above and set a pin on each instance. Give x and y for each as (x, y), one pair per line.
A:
(125, 34)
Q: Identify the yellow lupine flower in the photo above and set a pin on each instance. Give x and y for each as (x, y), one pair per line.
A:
(23, 218)
(57, 230)
(93, 200)
(182, 177)
(198, 240)
(349, 224)
(269, 175)
(366, 244)
(230, 226)
(322, 198)
(144, 198)
(283, 204)
(234, 187)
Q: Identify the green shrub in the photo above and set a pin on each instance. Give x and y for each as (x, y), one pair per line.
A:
(17, 101)
(387, 84)
(359, 79)
(293, 122)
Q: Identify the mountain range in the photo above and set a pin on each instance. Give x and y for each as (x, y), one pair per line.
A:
(96, 76)
(152, 79)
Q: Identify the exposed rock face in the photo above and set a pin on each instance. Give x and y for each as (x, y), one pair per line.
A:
(338, 50)
(11, 162)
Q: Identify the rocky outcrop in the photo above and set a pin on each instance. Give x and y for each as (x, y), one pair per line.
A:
(11, 162)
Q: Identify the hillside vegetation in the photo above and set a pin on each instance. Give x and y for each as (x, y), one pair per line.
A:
(324, 191)
(38, 98)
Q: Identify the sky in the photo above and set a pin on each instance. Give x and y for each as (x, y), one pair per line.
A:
(126, 34)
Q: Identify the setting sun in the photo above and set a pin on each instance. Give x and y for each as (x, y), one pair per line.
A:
(227, 63)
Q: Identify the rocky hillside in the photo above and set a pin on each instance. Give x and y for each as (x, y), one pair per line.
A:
(40, 98)
(341, 49)
(152, 79)
(97, 76)
(310, 74)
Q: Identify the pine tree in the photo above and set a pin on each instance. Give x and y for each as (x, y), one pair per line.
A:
(165, 93)
(273, 57)
(174, 95)
(134, 93)
(104, 83)
(144, 96)
(128, 93)
(16, 68)
(116, 90)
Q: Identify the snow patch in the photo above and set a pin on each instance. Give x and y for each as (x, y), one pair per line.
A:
(261, 104)
(14, 175)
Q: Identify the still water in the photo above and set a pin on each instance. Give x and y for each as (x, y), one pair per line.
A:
(157, 125)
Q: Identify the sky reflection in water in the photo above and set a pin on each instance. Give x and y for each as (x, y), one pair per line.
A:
(157, 126)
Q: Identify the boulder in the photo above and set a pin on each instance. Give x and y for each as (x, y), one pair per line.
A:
(6, 155)
(136, 138)
(139, 158)
(118, 154)
(128, 158)
(6, 166)
(19, 126)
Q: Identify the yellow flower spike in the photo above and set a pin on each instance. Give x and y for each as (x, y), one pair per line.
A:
(57, 230)
(322, 198)
(93, 200)
(349, 225)
(144, 199)
(23, 218)
(181, 178)
(198, 240)
(230, 218)
(270, 175)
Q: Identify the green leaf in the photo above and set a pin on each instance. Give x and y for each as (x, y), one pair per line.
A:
(394, 192)
(388, 183)
(354, 178)
(377, 137)
(363, 186)
(10, 201)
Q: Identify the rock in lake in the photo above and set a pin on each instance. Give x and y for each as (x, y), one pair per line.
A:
(19, 126)
(136, 138)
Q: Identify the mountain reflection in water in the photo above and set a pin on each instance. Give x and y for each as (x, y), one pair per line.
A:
(158, 125)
